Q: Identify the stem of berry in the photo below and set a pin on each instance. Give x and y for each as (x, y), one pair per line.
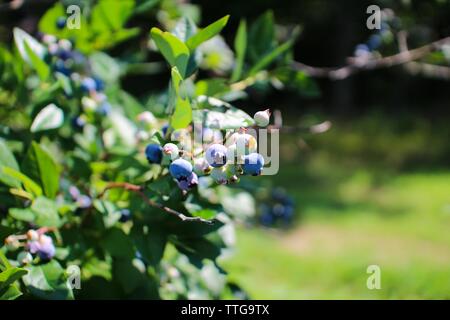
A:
(138, 190)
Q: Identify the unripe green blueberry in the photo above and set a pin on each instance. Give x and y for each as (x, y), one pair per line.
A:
(262, 118)
(24, 257)
(171, 149)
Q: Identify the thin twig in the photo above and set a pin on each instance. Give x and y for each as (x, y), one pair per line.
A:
(138, 190)
(356, 65)
(413, 67)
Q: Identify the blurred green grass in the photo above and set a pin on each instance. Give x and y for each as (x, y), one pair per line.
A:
(355, 210)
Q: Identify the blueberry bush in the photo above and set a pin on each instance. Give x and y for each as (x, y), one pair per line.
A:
(108, 195)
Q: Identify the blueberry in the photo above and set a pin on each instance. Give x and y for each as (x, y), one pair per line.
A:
(374, 42)
(362, 50)
(78, 122)
(171, 150)
(104, 109)
(64, 54)
(216, 155)
(125, 215)
(189, 183)
(61, 22)
(99, 85)
(253, 164)
(164, 129)
(262, 118)
(180, 169)
(88, 84)
(210, 135)
(267, 219)
(84, 201)
(43, 247)
(62, 68)
(154, 153)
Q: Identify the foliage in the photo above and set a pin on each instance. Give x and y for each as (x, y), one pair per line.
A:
(76, 187)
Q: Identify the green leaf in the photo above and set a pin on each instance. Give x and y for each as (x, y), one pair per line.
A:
(172, 48)
(105, 67)
(50, 117)
(4, 262)
(42, 68)
(232, 118)
(10, 275)
(28, 183)
(207, 33)
(118, 244)
(46, 212)
(150, 245)
(10, 293)
(111, 15)
(39, 165)
(182, 115)
(128, 275)
(261, 36)
(48, 281)
(270, 57)
(22, 39)
(240, 45)
(22, 214)
(7, 159)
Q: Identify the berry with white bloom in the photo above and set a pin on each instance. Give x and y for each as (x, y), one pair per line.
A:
(24, 257)
(171, 150)
(262, 118)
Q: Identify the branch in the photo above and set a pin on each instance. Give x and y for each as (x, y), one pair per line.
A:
(356, 65)
(138, 190)
(428, 69)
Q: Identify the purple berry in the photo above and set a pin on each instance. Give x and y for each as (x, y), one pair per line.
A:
(43, 247)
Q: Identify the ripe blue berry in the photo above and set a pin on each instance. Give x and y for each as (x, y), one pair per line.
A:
(104, 109)
(125, 215)
(88, 84)
(164, 129)
(154, 153)
(78, 122)
(61, 22)
(180, 169)
(253, 164)
(216, 155)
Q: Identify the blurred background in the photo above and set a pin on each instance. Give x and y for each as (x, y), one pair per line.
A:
(372, 190)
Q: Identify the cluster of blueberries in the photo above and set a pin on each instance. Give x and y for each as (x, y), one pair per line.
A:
(67, 61)
(36, 242)
(223, 162)
(278, 209)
